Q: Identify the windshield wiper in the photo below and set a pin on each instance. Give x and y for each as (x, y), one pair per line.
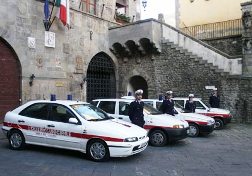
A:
(94, 119)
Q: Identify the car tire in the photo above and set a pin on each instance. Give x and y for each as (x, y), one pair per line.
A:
(193, 130)
(158, 138)
(218, 124)
(16, 140)
(97, 150)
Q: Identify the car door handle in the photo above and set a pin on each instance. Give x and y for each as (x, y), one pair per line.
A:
(50, 126)
(21, 121)
(120, 118)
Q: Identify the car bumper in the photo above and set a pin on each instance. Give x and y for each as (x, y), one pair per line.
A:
(176, 134)
(124, 149)
(5, 131)
(227, 120)
(206, 129)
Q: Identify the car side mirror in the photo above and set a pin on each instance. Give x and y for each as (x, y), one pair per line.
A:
(73, 121)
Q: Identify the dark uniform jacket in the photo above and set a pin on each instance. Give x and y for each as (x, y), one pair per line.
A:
(214, 101)
(136, 113)
(190, 106)
(167, 107)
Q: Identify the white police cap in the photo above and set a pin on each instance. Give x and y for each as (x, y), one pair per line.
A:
(169, 92)
(191, 95)
(139, 92)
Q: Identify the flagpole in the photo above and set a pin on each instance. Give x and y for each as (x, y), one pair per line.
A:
(52, 11)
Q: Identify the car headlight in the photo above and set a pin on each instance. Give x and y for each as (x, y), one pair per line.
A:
(178, 126)
(131, 139)
(210, 122)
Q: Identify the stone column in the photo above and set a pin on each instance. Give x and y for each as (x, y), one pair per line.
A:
(247, 38)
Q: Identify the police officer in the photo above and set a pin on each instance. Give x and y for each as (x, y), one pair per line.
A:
(167, 107)
(214, 99)
(190, 105)
(136, 109)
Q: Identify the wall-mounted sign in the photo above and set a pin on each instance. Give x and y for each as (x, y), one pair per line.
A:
(31, 42)
(59, 84)
(49, 39)
(210, 87)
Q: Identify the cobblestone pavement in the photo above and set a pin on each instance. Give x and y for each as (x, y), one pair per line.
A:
(227, 152)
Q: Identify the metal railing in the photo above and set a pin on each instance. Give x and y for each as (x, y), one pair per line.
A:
(215, 30)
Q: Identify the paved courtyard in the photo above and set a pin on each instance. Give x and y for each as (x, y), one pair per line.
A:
(223, 153)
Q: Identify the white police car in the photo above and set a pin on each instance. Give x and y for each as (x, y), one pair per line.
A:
(221, 116)
(162, 128)
(198, 124)
(73, 125)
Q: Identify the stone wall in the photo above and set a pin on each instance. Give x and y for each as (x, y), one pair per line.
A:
(58, 70)
(173, 70)
(230, 45)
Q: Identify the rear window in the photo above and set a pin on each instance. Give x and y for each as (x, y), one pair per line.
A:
(94, 103)
(108, 106)
(180, 103)
(37, 111)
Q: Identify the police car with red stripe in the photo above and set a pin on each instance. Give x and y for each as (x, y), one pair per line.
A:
(73, 125)
(162, 128)
(198, 124)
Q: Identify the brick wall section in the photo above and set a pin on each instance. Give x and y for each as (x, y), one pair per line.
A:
(230, 45)
(237, 93)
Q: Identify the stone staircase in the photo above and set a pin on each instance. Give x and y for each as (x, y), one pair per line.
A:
(150, 34)
(200, 52)
(195, 58)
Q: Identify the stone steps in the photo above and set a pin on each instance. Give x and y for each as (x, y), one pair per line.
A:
(196, 58)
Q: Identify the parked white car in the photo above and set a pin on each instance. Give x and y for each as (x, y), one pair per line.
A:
(162, 128)
(198, 124)
(221, 116)
(73, 125)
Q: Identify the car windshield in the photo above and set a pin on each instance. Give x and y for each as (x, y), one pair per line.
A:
(179, 108)
(150, 110)
(90, 112)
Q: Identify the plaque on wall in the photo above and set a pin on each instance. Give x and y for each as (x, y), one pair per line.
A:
(79, 65)
(49, 39)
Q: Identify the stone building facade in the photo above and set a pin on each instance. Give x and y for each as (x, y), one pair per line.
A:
(61, 70)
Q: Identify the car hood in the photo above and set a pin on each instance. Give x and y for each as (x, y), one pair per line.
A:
(218, 111)
(164, 120)
(117, 128)
(195, 117)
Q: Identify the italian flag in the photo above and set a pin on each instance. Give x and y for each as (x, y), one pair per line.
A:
(63, 12)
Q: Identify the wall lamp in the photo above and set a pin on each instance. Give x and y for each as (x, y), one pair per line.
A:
(83, 81)
(144, 3)
(32, 77)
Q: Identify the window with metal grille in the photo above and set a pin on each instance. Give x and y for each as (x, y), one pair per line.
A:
(101, 81)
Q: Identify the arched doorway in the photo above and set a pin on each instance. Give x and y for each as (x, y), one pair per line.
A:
(10, 79)
(101, 81)
(138, 82)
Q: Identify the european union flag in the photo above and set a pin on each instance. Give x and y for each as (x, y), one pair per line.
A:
(46, 10)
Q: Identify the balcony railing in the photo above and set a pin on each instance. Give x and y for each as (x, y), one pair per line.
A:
(215, 30)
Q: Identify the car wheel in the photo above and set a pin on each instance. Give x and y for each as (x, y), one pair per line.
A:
(158, 138)
(97, 150)
(218, 124)
(193, 130)
(16, 140)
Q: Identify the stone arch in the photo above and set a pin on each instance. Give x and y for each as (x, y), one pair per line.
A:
(138, 82)
(141, 73)
(10, 78)
(101, 78)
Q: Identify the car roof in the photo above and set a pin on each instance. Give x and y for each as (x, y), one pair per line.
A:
(113, 99)
(176, 98)
(65, 102)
